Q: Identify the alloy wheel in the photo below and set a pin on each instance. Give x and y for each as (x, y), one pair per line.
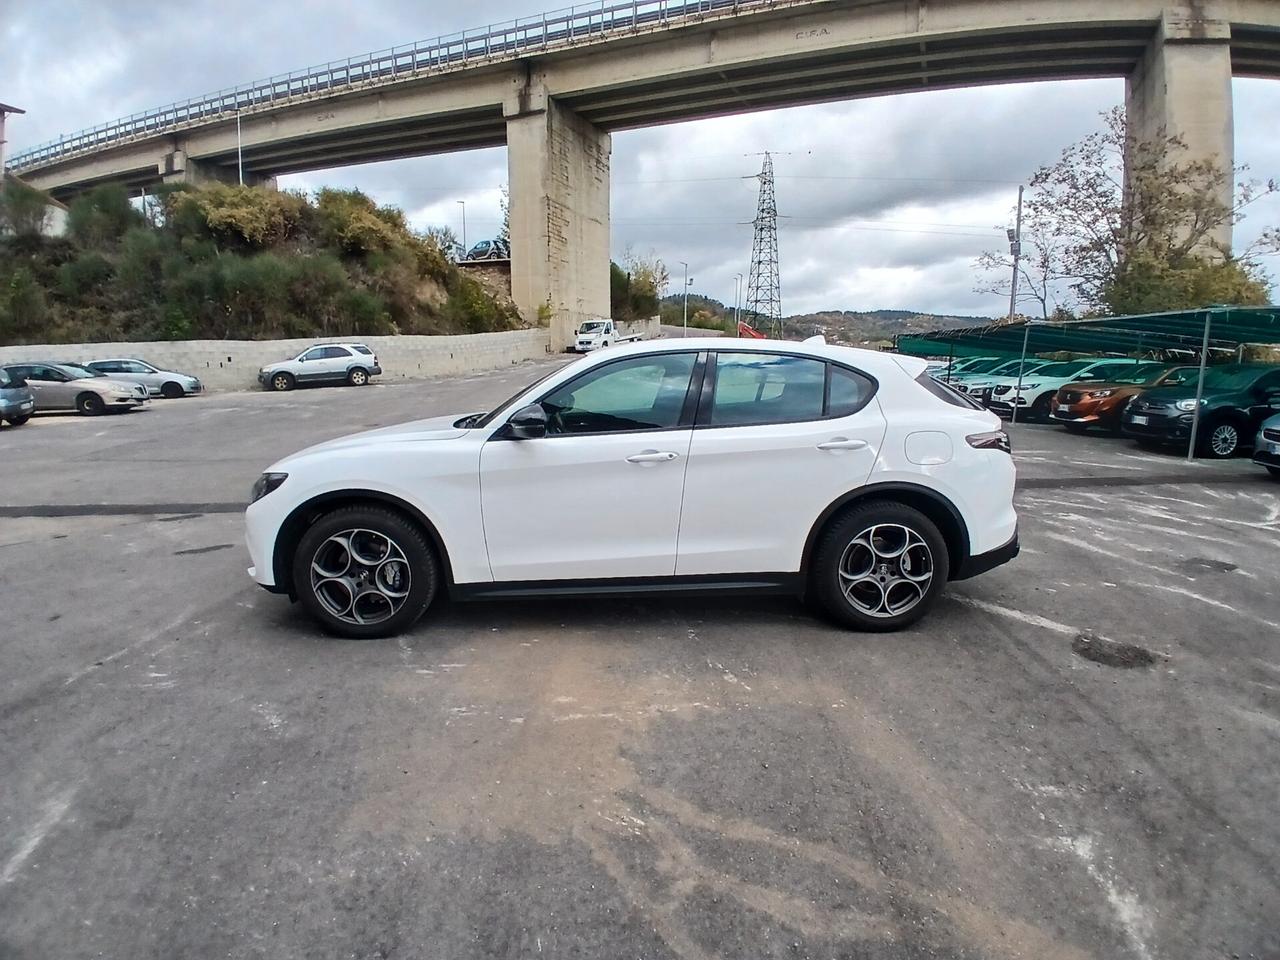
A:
(360, 576)
(886, 570)
(1224, 439)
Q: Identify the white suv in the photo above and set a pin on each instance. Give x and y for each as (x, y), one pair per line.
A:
(1041, 385)
(351, 363)
(847, 475)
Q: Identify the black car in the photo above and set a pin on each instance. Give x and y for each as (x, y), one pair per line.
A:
(1237, 398)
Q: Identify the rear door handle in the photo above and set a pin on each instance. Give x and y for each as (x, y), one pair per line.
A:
(842, 443)
(652, 456)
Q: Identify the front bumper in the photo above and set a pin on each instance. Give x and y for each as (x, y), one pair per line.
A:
(982, 562)
(124, 403)
(1266, 452)
(1160, 427)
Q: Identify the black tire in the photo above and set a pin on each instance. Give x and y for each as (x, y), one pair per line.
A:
(1116, 426)
(1039, 410)
(845, 542)
(281, 381)
(1076, 428)
(1274, 471)
(1218, 440)
(421, 567)
(19, 421)
(90, 405)
(357, 377)
(605, 344)
(171, 390)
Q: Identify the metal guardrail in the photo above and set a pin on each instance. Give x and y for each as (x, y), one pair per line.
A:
(559, 28)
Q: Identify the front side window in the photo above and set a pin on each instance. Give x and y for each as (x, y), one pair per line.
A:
(642, 393)
(756, 388)
(315, 353)
(133, 366)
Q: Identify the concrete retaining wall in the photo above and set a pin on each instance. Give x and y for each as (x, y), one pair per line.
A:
(233, 364)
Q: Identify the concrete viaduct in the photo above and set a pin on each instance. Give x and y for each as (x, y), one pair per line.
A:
(553, 88)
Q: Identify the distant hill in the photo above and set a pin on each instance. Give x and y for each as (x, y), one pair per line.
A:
(858, 326)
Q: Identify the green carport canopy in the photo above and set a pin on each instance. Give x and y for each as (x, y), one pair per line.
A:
(1229, 329)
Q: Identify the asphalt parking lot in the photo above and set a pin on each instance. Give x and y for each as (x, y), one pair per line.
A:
(188, 769)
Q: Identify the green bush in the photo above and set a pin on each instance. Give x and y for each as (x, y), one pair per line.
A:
(23, 308)
(101, 217)
(83, 276)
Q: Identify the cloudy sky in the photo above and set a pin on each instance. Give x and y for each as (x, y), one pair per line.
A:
(883, 203)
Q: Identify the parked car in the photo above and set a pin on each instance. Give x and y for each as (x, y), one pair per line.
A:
(1266, 446)
(17, 402)
(159, 383)
(1038, 390)
(1237, 398)
(1080, 406)
(351, 363)
(490, 250)
(599, 333)
(953, 369)
(68, 386)
(980, 385)
(906, 485)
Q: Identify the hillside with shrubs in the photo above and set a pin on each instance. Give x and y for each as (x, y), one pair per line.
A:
(231, 262)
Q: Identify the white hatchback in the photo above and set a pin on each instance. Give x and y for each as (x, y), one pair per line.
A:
(845, 475)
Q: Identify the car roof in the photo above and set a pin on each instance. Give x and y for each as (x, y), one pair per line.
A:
(869, 360)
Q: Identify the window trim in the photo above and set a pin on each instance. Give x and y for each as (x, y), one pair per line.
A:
(703, 420)
(685, 422)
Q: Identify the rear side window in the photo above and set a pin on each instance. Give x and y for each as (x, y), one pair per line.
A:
(946, 394)
(760, 388)
(361, 348)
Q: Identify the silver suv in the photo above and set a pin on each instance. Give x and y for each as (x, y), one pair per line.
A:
(351, 363)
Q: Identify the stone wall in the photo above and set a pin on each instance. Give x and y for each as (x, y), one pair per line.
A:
(233, 364)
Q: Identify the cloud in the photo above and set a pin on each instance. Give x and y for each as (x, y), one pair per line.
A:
(883, 202)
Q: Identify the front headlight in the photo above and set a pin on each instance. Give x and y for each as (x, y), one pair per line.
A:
(1031, 386)
(1099, 394)
(265, 484)
(1186, 406)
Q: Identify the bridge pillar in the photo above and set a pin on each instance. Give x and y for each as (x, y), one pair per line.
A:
(558, 165)
(177, 167)
(1182, 87)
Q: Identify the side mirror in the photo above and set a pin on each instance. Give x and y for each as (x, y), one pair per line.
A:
(528, 423)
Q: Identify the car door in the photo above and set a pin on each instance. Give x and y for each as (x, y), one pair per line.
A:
(135, 371)
(53, 390)
(778, 438)
(335, 363)
(1264, 402)
(310, 366)
(599, 495)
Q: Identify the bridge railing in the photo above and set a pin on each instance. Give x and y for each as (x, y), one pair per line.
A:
(558, 28)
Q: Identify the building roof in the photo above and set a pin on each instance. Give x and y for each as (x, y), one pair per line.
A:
(50, 201)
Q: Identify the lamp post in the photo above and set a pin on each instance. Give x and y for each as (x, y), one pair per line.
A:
(463, 204)
(687, 280)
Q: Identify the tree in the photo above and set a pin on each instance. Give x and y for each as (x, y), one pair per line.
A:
(445, 239)
(504, 233)
(1119, 221)
(24, 210)
(1040, 281)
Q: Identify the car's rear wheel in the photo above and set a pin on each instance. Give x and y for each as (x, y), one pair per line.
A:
(282, 381)
(879, 567)
(365, 572)
(171, 391)
(89, 404)
(1220, 441)
(357, 376)
(19, 421)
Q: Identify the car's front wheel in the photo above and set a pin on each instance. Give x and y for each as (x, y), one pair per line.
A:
(365, 572)
(171, 390)
(19, 421)
(89, 405)
(1220, 441)
(880, 567)
(282, 381)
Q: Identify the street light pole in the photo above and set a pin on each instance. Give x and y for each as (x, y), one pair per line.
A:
(1015, 248)
(686, 298)
(463, 204)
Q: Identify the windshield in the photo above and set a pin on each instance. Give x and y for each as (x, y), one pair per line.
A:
(1233, 378)
(983, 366)
(1062, 369)
(488, 418)
(1142, 373)
(1010, 367)
(75, 370)
(591, 327)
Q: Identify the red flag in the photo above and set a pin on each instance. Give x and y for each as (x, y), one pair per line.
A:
(747, 331)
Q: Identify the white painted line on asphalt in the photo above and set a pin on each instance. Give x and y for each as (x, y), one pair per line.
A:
(1210, 601)
(168, 628)
(1105, 466)
(54, 811)
(1133, 917)
(1029, 618)
(1091, 547)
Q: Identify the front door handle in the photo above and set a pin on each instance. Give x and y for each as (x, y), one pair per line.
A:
(842, 443)
(652, 456)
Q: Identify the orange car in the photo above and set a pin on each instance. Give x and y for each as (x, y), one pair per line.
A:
(1079, 406)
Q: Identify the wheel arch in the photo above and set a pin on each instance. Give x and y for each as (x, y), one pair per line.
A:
(302, 516)
(934, 505)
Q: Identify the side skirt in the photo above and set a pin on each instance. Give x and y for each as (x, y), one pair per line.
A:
(760, 584)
